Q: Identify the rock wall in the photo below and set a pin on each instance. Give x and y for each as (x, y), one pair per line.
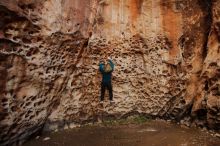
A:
(208, 97)
(166, 57)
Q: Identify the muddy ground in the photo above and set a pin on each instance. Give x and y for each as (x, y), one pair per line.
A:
(150, 133)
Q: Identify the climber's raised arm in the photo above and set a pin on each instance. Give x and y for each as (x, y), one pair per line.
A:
(101, 67)
(111, 63)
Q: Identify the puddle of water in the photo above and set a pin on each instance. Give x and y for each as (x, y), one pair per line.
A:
(154, 133)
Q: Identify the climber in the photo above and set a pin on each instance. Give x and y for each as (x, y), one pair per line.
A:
(106, 68)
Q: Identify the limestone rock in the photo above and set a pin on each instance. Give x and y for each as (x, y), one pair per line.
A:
(46, 138)
(166, 55)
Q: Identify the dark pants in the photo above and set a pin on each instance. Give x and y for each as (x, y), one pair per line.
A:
(107, 85)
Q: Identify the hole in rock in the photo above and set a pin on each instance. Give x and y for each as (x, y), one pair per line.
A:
(4, 100)
(206, 86)
(213, 64)
(13, 108)
(26, 41)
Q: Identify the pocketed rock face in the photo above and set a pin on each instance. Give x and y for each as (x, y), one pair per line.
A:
(36, 63)
(210, 101)
(166, 57)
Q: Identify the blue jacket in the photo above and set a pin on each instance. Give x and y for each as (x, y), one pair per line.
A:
(106, 77)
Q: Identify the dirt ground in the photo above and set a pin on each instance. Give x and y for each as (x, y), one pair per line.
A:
(151, 133)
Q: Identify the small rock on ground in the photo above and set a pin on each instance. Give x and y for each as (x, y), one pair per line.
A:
(46, 138)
